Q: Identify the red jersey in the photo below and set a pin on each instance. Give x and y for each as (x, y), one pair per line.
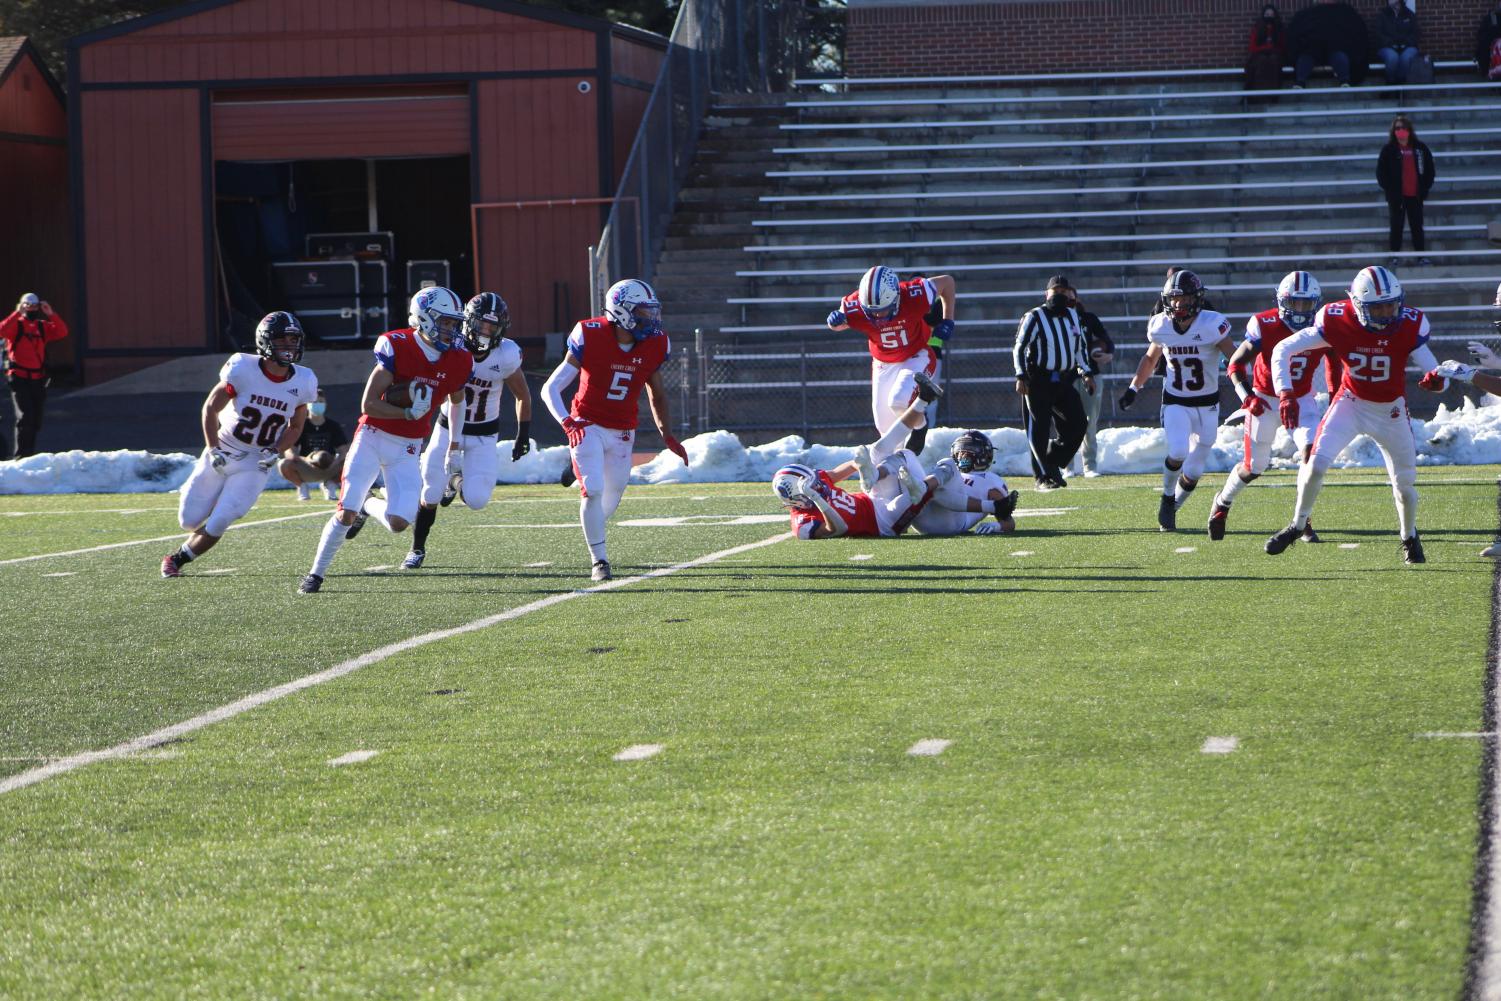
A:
(905, 334)
(399, 353)
(1375, 362)
(1266, 330)
(611, 374)
(858, 511)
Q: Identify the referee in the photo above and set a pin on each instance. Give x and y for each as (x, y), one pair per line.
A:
(1050, 354)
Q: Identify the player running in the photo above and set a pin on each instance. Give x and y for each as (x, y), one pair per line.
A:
(428, 359)
(963, 491)
(470, 469)
(254, 412)
(895, 316)
(613, 356)
(1375, 335)
(1189, 335)
(1298, 298)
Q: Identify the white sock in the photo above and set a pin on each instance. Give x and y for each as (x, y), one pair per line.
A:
(1310, 482)
(328, 544)
(892, 439)
(1233, 486)
(1180, 492)
(375, 507)
(592, 515)
(1169, 481)
(1407, 509)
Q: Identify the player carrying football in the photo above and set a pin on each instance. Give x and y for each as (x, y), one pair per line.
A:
(613, 356)
(429, 360)
(252, 414)
(1375, 335)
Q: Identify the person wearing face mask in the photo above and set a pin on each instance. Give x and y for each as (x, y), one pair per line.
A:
(1049, 356)
(26, 334)
(1405, 172)
(1268, 45)
(1397, 40)
(1488, 45)
(318, 456)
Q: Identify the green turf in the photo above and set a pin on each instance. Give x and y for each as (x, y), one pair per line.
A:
(1072, 842)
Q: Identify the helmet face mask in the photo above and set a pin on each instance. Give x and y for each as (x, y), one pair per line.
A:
(788, 484)
(1182, 296)
(279, 338)
(437, 317)
(487, 319)
(1377, 298)
(633, 306)
(1298, 299)
(880, 294)
(972, 452)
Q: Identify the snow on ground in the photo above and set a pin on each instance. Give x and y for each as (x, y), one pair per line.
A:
(1468, 436)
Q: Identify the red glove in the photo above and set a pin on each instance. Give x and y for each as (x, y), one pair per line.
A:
(675, 447)
(1289, 409)
(1433, 382)
(1254, 405)
(574, 429)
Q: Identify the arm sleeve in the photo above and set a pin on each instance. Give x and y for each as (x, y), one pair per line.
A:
(552, 389)
(1422, 356)
(455, 415)
(1282, 355)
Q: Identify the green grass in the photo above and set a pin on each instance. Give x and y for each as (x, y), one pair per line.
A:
(1071, 843)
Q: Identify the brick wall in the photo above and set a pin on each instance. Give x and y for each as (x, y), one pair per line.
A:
(1039, 36)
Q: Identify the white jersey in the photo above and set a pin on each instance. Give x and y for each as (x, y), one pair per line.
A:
(948, 513)
(260, 407)
(1193, 366)
(486, 386)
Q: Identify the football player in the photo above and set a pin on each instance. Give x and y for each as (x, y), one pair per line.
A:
(497, 366)
(429, 358)
(893, 485)
(963, 491)
(1189, 335)
(254, 412)
(1375, 334)
(613, 356)
(896, 317)
(1298, 298)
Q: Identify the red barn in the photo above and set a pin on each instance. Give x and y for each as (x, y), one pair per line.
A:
(209, 142)
(33, 185)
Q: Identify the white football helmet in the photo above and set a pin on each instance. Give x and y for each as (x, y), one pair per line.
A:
(1298, 298)
(1375, 286)
(791, 484)
(880, 294)
(633, 305)
(437, 316)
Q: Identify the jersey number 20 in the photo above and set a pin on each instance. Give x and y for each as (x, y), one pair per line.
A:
(250, 419)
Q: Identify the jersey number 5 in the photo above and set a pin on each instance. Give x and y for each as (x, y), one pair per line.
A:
(620, 385)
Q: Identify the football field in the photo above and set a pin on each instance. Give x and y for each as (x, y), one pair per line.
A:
(1089, 760)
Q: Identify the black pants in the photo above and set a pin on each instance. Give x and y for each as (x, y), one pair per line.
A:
(30, 398)
(1413, 207)
(1055, 422)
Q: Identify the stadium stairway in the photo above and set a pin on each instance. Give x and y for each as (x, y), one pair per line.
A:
(1002, 186)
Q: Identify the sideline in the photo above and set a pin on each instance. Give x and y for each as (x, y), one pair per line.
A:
(1483, 968)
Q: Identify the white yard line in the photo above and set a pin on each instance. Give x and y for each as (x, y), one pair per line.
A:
(638, 752)
(1471, 734)
(64, 573)
(62, 766)
(160, 538)
(352, 758)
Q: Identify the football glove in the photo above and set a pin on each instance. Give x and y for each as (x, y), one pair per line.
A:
(422, 402)
(1452, 369)
(1433, 382)
(574, 429)
(836, 318)
(988, 528)
(1127, 398)
(523, 443)
(1253, 405)
(1288, 409)
(1484, 356)
(453, 462)
(675, 447)
(267, 459)
(218, 459)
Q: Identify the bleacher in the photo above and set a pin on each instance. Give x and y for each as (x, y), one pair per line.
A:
(1003, 181)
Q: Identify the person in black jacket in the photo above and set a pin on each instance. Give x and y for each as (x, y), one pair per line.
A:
(1485, 39)
(1330, 33)
(1101, 354)
(1405, 172)
(1397, 40)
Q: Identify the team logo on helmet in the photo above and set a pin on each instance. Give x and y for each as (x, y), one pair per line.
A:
(972, 452)
(791, 483)
(279, 326)
(879, 294)
(487, 319)
(1182, 295)
(437, 317)
(633, 305)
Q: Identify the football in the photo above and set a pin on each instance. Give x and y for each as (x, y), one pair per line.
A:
(398, 394)
(321, 459)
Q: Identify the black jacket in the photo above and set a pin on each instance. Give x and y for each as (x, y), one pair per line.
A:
(1396, 30)
(1389, 169)
(1329, 27)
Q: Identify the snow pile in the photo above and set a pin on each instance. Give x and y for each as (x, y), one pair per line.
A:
(1468, 436)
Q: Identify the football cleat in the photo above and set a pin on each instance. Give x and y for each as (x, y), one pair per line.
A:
(310, 584)
(1006, 506)
(601, 571)
(1167, 514)
(1309, 535)
(1493, 551)
(1412, 550)
(451, 490)
(1043, 485)
(1279, 542)
(927, 389)
(916, 488)
(359, 523)
(414, 559)
(1058, 482)
(171, 567)
(1219, 515)
(866, 469)
(330, 492)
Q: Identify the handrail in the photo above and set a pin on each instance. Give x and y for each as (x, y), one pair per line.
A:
(1088, 76)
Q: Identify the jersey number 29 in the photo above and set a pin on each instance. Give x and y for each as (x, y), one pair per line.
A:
(1370, 368)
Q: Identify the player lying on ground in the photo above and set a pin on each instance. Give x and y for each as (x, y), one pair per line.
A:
(962, 491)
(254, 413)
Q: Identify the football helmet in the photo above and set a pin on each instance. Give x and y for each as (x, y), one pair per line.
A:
(1376, 286)
(1298, 298)
(632, 305)
(279, 326)
(880, 293)
(487, 318)
(790, 484)
(1185, 287)
(972, 452)
(437, 317)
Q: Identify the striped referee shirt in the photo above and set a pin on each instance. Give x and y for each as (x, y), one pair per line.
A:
(1051, 344)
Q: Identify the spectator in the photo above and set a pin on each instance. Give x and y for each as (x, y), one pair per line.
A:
(1101, 353)
(1397, 39)
(1487, 49)
(1268, 46)
(26, 333)
(1330, 33)
(318, 456)
(1405, 172)
(7, 414)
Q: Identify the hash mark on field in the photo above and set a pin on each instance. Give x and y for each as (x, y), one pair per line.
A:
(538, 566)
(1439, 734)
(224, 570)
(1349, 545)
(65, 573)
(378, 568)
(638, 752)
(352, 758)
(698, 498)
(1219, 745)
(1022, 552)
(930, 747)
(862, 556)
(1186, 549)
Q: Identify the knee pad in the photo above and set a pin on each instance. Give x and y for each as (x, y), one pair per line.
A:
(1187, 484)
(1172, 463)
(1247, 477)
